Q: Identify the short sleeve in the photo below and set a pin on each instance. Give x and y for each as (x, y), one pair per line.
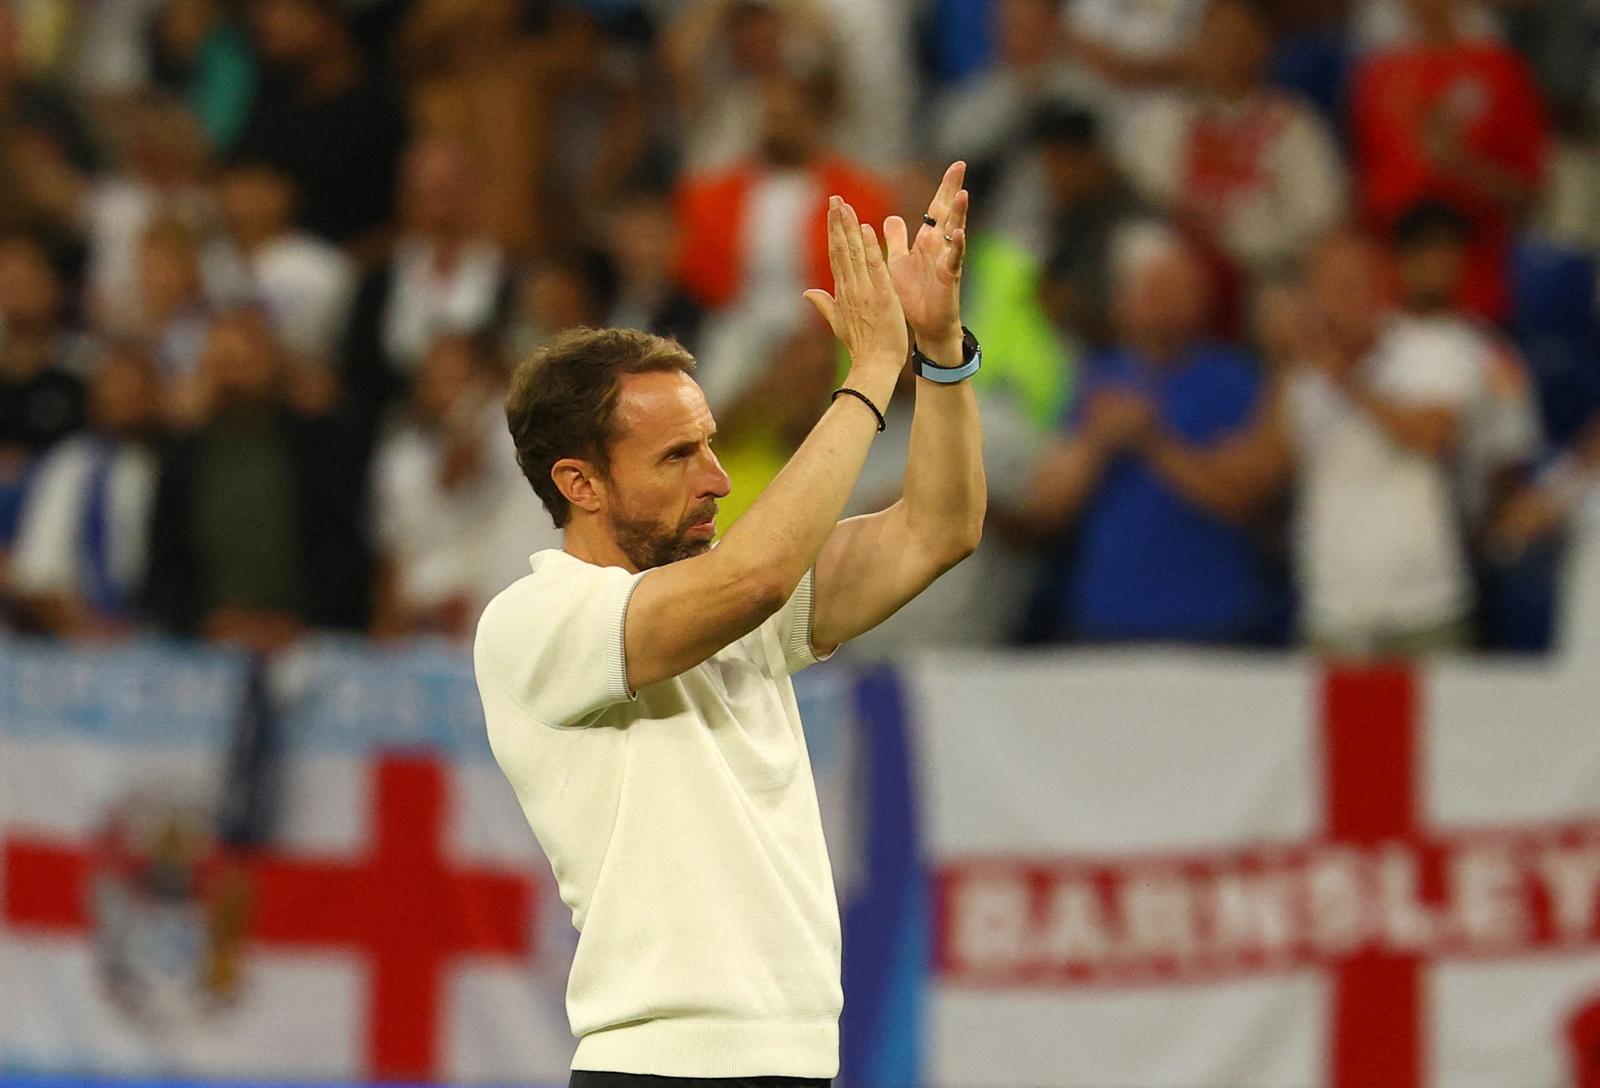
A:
(554, 643)
(792, 624)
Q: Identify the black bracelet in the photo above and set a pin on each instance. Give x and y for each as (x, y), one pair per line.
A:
(862, 397)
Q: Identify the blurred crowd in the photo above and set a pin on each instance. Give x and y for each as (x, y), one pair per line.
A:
(1289, 309)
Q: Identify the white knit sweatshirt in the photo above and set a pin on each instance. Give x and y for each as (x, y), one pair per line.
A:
(682, 826)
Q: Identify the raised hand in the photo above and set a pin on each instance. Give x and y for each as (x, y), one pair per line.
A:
(864, 312)
(927, 270)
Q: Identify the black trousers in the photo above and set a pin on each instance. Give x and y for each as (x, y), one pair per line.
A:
(584, 1078)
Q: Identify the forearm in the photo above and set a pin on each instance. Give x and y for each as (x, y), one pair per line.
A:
(945, 492)
(1428, 430)
(1202, 478)
(784, 530)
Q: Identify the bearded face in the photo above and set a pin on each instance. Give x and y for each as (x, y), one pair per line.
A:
(647, 542)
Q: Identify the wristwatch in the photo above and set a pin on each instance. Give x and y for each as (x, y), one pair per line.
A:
(971, 360)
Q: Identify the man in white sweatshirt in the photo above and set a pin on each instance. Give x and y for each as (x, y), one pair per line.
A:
(636, 684)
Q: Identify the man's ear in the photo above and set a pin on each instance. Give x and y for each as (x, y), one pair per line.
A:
(579, 482)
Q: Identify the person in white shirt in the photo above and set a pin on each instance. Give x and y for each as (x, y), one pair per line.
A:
(83, 546)
(452, 516)
(444, 274)
(636, 683)
(302, 283)
(1501, 433)
(1375, 421)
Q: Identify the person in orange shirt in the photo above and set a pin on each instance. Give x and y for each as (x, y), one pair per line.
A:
(759, 229)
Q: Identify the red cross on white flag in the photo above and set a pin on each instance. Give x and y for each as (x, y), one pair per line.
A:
(1361, 908)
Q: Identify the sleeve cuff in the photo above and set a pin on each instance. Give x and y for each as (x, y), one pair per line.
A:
(800, 650)
(616, 663)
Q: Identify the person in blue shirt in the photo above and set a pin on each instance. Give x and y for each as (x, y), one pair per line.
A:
(1162, 552)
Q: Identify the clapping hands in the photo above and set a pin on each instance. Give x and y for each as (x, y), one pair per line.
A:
(1120, 419)
(919, 282)
(926, 270)
(864, 310)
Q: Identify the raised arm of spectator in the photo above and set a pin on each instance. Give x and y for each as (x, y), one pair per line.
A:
(874, 564)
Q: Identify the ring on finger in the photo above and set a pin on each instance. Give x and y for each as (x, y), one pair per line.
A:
(949, 237)
(930, 220)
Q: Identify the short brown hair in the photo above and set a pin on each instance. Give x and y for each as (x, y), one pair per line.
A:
(564, 395)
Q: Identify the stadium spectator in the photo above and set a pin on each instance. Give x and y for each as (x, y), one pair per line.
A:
(174, 315)
(475, 77)
(1250, 168)
(1375, 416)
(41, 394)
(1162, 552)
(642, 244)
(453, 519)
(982, 118)
(255, 572)
(273, 134)
(549, 297)
(1371, 418)
(325, 118)
(199, 54)
(760, 230)
(608, 122)
(1455, 118)
(524, 104)
(443, 275)
(1500, 434)
(719, 54)
(302, 283)
(1086, 203)
(83, 541)
(44, 151)
(109, 58)
(160, 159)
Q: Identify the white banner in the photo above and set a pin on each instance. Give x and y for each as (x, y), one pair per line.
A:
(1193, 871)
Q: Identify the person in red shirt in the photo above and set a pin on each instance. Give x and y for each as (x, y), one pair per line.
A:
(1454, 119)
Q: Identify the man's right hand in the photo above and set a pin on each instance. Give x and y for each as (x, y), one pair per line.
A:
(863, 311)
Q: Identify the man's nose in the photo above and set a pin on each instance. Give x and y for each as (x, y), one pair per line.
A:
(716, 483)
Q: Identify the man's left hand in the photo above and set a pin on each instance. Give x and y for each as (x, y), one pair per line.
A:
(927, 270)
